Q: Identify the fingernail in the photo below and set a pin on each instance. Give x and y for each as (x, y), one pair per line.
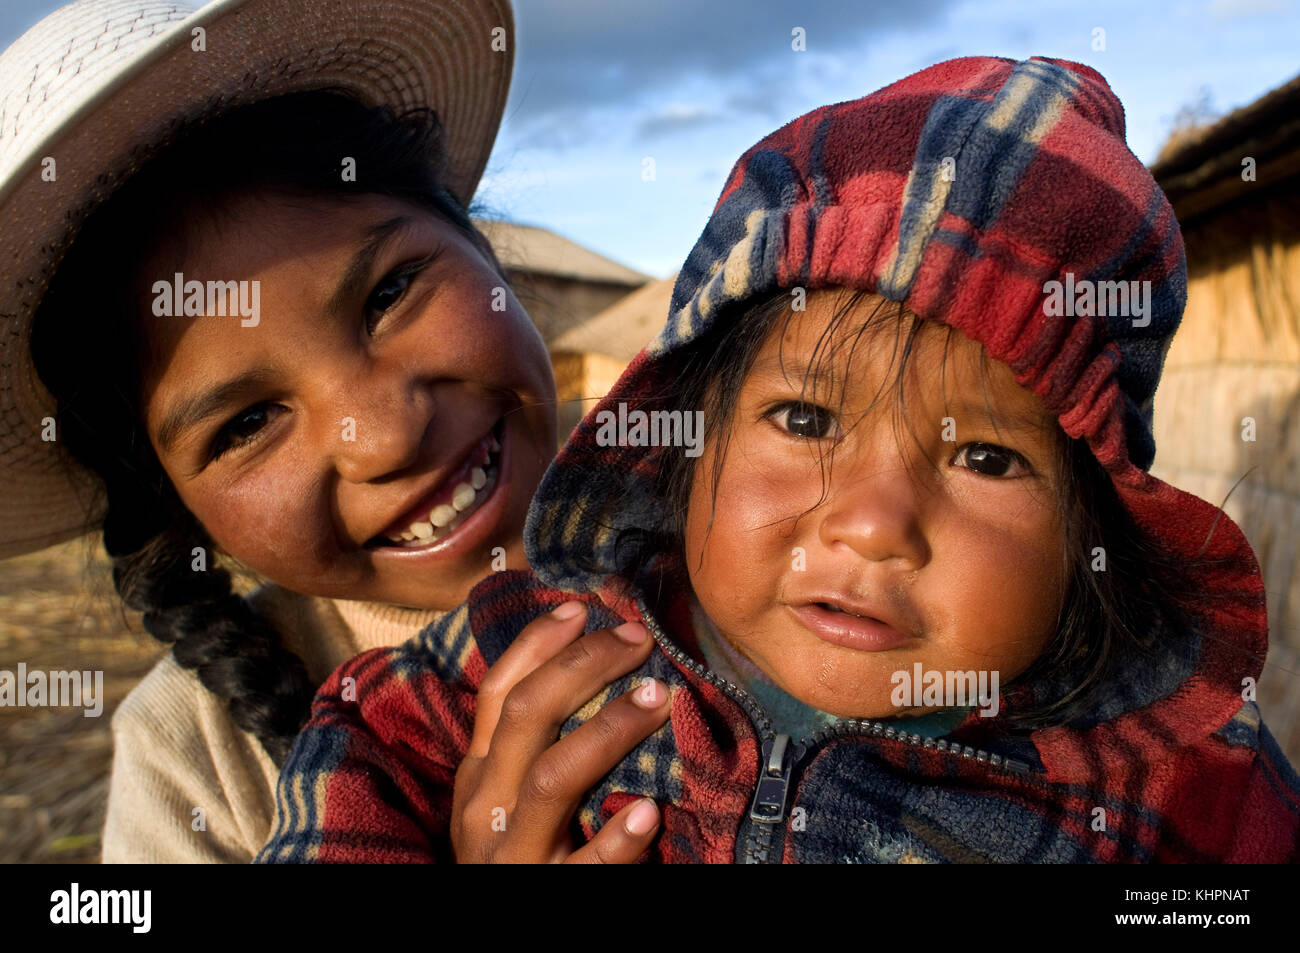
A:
(650, 694)
(642, 818)
(567, 611)
(634, 633)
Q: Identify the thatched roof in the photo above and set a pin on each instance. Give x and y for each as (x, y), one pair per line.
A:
(538, 251)
(622, 329)
(1200, 169)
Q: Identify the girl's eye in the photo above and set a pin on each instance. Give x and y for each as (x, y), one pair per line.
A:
(989, 459)
(241, 429)
(805, 420)
(387, 293)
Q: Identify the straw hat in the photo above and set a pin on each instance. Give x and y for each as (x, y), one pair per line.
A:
(95, 84)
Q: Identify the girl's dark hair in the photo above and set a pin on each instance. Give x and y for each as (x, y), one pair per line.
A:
(292, 144)
(1106, 616)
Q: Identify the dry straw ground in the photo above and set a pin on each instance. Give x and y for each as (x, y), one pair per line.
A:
(58, 611)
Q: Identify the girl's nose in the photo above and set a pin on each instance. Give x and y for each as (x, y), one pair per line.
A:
(875, 511)
(379, 428)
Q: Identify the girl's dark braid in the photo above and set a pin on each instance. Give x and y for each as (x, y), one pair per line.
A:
(291, 143)
(237, 655)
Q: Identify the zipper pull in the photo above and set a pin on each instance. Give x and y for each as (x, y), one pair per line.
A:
(773, 782)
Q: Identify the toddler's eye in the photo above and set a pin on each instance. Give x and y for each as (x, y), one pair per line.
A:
(805, 420)
(989, 459)
(387, 293)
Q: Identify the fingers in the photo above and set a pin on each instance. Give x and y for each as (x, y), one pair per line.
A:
(626, 836)
(534, 709)
(518, 787)
(538, 642)
(554, 785)
(533, 826)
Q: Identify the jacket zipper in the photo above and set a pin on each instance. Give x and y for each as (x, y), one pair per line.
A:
(764, 829)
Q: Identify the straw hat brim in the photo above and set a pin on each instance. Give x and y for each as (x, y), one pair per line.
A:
(96, 85)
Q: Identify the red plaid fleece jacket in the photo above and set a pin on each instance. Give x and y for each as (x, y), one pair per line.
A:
(370, 780)
(961, 191)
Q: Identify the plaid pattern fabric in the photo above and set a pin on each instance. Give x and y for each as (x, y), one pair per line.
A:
(370, 779)
(961, 190)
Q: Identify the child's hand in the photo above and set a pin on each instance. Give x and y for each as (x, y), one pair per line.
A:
(518, 787)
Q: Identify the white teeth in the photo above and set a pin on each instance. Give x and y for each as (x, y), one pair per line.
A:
(493, 446)
(462, 497)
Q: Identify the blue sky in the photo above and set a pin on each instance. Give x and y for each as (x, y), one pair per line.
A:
(600, 86)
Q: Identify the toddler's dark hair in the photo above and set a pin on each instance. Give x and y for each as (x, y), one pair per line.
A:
(292, 144)
(1104, 615)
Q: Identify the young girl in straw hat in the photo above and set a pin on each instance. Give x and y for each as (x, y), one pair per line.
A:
(241, 284)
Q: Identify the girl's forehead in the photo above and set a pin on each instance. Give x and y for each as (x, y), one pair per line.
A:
(262, 226)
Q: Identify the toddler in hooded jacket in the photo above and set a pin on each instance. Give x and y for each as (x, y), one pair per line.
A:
(879, 490)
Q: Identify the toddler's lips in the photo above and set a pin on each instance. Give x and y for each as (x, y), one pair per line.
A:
(832, 623)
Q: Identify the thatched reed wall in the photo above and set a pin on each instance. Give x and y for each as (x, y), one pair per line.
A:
(1234, 363)
(1236, 359)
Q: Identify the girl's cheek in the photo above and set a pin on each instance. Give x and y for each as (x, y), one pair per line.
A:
(490, 326)
(264, 518)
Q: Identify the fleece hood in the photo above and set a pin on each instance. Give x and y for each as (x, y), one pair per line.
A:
(964, 191)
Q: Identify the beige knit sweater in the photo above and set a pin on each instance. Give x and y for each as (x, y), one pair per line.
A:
(187, 785)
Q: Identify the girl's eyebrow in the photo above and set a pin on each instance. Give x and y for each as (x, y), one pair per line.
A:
(191, 411)
(355, 276)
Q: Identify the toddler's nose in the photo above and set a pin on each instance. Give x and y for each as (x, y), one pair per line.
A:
(875, 512)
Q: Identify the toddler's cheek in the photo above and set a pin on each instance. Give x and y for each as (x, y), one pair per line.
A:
(1018, 599)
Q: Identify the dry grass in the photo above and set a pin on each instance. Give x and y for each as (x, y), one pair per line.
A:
(58, 611)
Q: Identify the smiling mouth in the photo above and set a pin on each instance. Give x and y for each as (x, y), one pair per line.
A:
(456, 500)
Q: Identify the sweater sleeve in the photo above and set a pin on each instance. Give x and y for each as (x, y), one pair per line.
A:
(187, 786)
(370, 779)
